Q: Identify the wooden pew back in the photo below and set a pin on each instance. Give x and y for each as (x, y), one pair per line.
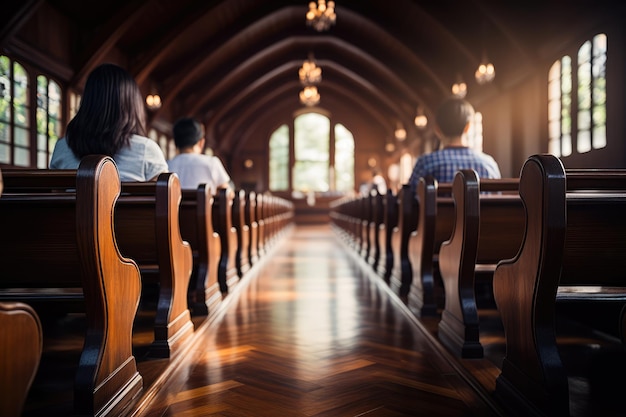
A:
(242, 230)
(375, 228)
(21, 343)
(402, 272)
(435, 220)
(148, 230)
(390, 219)
(222, 222)
(60, 233)
(488, 226)
(250, 219)
(575, 235)
(196, 227)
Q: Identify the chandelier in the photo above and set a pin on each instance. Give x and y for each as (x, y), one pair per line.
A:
(485, 73)
(321, 16)
(310, 73)
(309, 96)
(459, 88)
(420, 118)
(153, 101)
(400, 132)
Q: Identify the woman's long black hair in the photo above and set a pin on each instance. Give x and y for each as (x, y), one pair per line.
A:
(110, 112)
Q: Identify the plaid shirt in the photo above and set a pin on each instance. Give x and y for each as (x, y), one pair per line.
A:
(444, 164)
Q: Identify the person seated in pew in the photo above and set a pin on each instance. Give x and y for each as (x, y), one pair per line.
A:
(454, 118)
(191, 164)
(111, 120)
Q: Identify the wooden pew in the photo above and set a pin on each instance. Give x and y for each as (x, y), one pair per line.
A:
(365, 220)
(251, 221)
(61, 246)
(280, 217)
(402, 272)
(574, 238)
(242, 231)
(341, 219)
(260, 220)
(21, 341)
(390, 220)
(435, 220)
(376, 225)
(148, 231)
(489, 226)
(222, 222)
(196, 227)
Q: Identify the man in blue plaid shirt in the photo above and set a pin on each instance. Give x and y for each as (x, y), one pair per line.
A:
(453, 122)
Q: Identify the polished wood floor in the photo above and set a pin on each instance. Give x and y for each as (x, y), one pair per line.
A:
(307, 332)
(311, 335)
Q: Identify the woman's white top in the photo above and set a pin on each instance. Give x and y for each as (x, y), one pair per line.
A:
(141, 161)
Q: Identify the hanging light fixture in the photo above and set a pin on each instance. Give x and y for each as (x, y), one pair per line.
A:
(485, 72)
(321, 16)
(459, 88)
(153, 101)
(310, 73)
(420, 118)
(400, 132)
(309, 96)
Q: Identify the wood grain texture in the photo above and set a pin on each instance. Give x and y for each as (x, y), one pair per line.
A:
(311, 335)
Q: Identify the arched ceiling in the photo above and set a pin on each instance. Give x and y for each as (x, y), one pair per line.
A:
(227, 61)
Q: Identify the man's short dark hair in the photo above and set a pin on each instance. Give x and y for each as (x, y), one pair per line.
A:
(187, 132)
(453, 115)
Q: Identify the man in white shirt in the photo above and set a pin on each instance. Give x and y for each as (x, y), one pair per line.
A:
(191, 164)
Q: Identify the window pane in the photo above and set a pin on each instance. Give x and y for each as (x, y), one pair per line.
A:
(5, 153)
(599, 92)
(4, 132)
(554, 129)
(584, 120)
(554, 147)
(311, 144)
(583, 141)
(566, 145)
(279, 159)
(566, 75)
(41, 141)
(311, 176)
(22, 156)
(599, 137)
(21, 137)
(312, 133)
(566, 106)
(42, 160)
(5, 85)
(344, 159)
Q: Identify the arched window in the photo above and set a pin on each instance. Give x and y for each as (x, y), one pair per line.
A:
(48, 119)
(577, 116)
(279, 159)
(344, 159)
(14, 113)
(321, 162)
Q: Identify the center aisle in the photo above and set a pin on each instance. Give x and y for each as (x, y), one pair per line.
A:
(309, 334)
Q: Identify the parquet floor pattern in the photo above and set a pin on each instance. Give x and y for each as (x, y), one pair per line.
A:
(310, 335)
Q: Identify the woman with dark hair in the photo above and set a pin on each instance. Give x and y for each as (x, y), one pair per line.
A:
(111, 120)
